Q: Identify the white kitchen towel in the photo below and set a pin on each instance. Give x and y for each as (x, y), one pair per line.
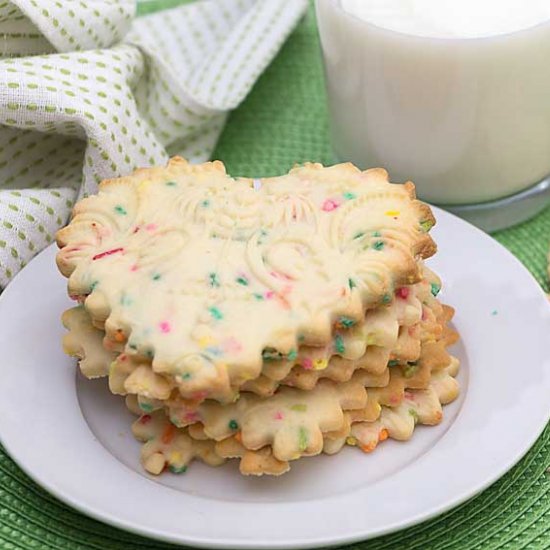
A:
(88, 91)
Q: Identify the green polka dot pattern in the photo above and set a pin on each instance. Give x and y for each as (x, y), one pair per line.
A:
(87, 92)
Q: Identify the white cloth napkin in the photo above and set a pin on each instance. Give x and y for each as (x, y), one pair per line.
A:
(88, 92)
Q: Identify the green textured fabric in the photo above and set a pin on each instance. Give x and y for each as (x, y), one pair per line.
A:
(284, 121)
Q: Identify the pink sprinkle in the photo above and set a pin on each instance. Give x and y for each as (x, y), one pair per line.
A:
(329, 205)
(278, 415)
(269, 294)
(279, 275)
(232, 345)
(151, 227)
(307, 363)
(122, 357)
(107, 253)
(200, 395)
(403, 292)
(165, 327)
(409, 395)
(424, 314)
(134, 268)
(394, 400)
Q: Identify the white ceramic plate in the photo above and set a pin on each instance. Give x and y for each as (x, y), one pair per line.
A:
(73, 438)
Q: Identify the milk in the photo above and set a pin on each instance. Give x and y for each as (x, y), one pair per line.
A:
(453, 94)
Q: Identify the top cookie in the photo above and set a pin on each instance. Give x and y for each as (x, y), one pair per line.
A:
(206, 274)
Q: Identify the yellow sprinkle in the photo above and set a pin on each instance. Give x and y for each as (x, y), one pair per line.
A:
(351, 440)
(320, 364)
(392, 213)
(371, 340)
(205, 341)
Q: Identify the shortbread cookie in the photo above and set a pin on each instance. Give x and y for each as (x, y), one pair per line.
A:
(167, 447)
(85, 342)
(268, 265)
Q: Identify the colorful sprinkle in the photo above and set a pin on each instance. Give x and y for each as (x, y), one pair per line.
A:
(403, 292)
(307, 363)
(233, 425)
(242, 280)
(329, 205)
(258, 296)
(414, 414)
(378, 245)
(300, 407)
(383, 435)
(393, 363)
(320, 364)
(156, 277)
(205, 341)
(93, 285)
(348, 195)
(165, 327)
(346, 322)
(177, 469)
(107, 253)
(386, 299)
(351, 440)
(119, 336)
(302, 438)
(494, 312)
(392, 213)
(171, 183)
(134, 267)
(205, 203)
(292, 354)
(435, 288)
(187, 376)
(145, 419)
(147, 407)
(216, 313)
(232, 345)
(168, 434)
(151, 227)
(426, 225)
(125, 300)
(278, 415)
(377, 234)
(213, 280)
(359, 235)
(351, 284)
(120, 210)
(339, 345)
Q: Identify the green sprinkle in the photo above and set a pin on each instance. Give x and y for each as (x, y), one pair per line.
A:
(426, 225)
(149, 353)
(94, 285)
(377, 234)
(125, 300)
(292, 355)
(233, 425)
(186, 376)
(393, 363)
(339, 344)
(133, 346)
(215, 312)
(171, 183)
(346, 322)
(120, 210)
(302, 439)
(146, 407)
(213, 279)
(300, 407)
(359, 235)
(378, 245)
(410, 370)
(205, 203)
(414, 414)
(242, 281)
(177, 469)
(386, 299)
(271, 353)
(156, 276)
(435, 289)
(348, 195)
(494, 312)
(351, 284)
(258, 296)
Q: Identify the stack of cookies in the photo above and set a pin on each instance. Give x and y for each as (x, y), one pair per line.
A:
(263, 320)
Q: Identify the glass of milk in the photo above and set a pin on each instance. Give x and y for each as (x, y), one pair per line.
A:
(451, 94)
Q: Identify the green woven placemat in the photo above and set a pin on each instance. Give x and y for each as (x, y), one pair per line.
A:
(284, 121)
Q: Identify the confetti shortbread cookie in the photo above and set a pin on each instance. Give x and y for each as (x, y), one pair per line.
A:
(207, 276)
